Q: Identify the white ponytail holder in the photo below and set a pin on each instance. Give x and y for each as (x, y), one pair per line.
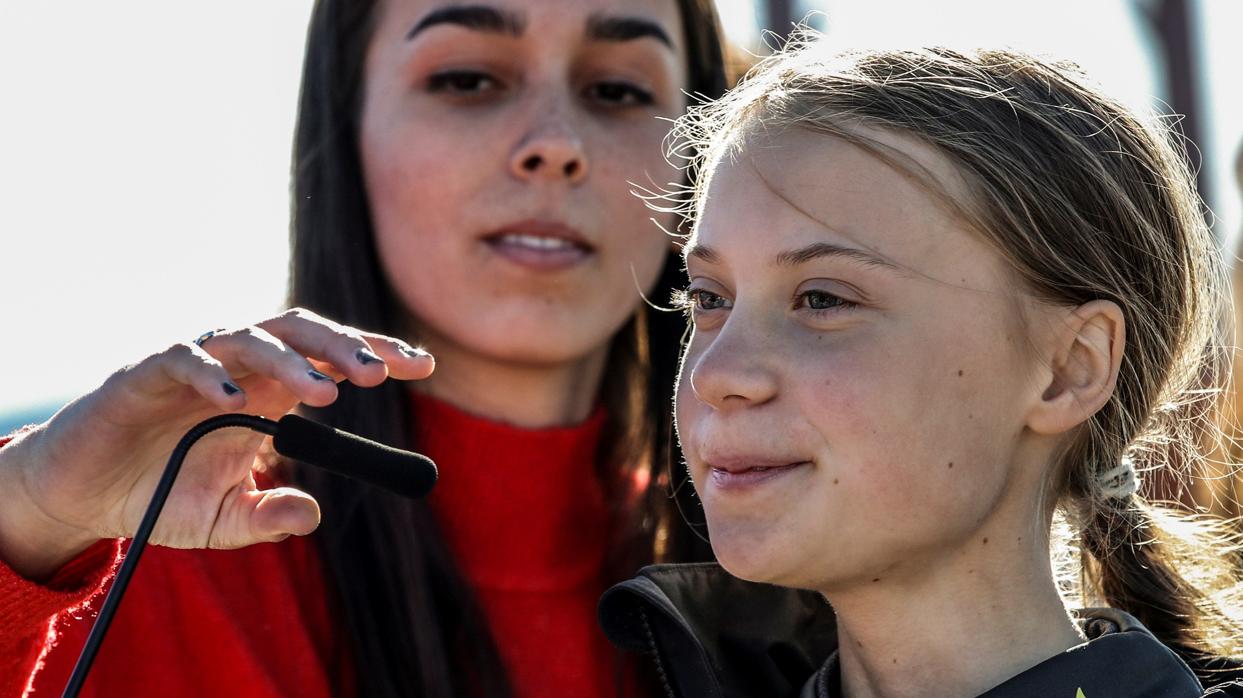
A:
(1120, 481)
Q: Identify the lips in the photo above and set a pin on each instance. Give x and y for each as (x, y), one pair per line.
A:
(744, 473)
(540, 245)
(743, 464)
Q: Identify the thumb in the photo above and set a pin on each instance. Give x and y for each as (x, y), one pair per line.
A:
(276, 514)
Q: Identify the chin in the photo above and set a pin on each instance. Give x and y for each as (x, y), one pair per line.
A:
(536, 348)
(530, 339)
(748, 557)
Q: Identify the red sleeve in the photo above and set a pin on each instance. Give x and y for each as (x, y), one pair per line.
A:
(27, 609)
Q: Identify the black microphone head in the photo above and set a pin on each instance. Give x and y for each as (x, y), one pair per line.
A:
(403, 472)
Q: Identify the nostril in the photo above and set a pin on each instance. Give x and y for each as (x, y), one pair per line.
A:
(571, 168)
(532, 163)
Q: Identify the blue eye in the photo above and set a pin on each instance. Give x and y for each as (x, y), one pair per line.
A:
(618, 94)
(462, 82)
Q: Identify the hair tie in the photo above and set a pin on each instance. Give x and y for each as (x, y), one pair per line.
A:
(1120, 481)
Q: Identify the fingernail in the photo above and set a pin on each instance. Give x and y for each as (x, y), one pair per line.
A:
(230, 388)
(414, 352)
(365, 357)
(318, 376)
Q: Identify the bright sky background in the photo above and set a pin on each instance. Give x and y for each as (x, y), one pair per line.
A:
(144, 154)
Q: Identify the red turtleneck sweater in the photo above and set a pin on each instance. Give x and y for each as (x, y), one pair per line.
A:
(522, 509)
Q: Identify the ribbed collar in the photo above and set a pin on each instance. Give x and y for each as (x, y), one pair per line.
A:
(522, 509)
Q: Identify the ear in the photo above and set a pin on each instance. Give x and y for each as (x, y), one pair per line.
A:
(1083, 356)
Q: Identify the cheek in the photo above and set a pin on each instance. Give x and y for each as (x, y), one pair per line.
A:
(423, 193)
(689, 413)
(684, 403)
(628, 159)
(411, 179)
(903, 431)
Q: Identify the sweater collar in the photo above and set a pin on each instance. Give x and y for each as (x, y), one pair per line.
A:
(522, 509)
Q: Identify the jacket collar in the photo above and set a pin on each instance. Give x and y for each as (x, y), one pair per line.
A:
(713, 635)
(717, 636)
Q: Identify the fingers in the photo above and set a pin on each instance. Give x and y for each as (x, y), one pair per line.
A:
(405, 362)
(282, 512)
(264, 516)
(303, 352)
(189, 364)
(363, 358)
(253, 350)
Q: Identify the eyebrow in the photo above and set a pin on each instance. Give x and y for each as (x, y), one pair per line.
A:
(602, 28)
(482, 18)
(802, 255)
(492, 20)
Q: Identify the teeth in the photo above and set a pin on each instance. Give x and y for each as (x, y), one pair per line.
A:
(536, 241)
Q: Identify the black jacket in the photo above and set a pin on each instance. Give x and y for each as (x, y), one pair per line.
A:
(715, 636)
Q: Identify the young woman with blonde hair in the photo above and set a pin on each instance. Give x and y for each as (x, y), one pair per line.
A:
(945, 306)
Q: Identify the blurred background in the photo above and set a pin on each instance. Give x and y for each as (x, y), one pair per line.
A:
(144, 148)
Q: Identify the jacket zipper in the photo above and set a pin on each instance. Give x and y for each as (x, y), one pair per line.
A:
(660, 667)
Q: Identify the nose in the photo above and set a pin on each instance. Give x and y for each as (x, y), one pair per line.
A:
(732, 372)
(551, 151)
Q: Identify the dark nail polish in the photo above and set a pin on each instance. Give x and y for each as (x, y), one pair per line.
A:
(414, 352)
(230, 388)
(318, 376)
(366, 357)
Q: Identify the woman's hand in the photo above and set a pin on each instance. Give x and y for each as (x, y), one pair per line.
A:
(89, 471)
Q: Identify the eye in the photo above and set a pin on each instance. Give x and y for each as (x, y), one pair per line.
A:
(618, 94)
(462, 82)
(701, 299)
(823, 301)
(698, 300)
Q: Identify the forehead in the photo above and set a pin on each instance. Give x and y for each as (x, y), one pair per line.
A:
(796, 186)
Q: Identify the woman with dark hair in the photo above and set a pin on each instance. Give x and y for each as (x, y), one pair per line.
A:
(462, 182)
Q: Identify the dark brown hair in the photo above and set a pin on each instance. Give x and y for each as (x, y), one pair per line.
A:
(414, 627)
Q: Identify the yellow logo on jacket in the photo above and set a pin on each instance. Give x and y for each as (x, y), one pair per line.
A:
(1079, 694)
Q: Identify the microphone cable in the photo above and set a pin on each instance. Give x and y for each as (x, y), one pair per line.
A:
(407, 473)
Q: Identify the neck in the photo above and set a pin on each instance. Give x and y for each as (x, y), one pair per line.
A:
(522, 394)
(956, 629)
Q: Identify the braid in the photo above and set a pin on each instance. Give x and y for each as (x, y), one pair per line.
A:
(1126, 560)
(1141, 559)
(1119, 222)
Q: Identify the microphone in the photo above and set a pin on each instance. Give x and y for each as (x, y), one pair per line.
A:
(403, 472)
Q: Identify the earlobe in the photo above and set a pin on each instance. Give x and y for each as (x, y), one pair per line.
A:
(1083, 358)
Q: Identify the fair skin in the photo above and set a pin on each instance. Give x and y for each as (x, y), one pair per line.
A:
(497, 147)
(904, 402)
(483, 141)
(89, 472)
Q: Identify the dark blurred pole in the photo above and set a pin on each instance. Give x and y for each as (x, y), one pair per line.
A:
(1174, 26)
(778, 17)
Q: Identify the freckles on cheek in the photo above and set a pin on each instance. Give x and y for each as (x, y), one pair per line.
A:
(916, 492)
(882, 429)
